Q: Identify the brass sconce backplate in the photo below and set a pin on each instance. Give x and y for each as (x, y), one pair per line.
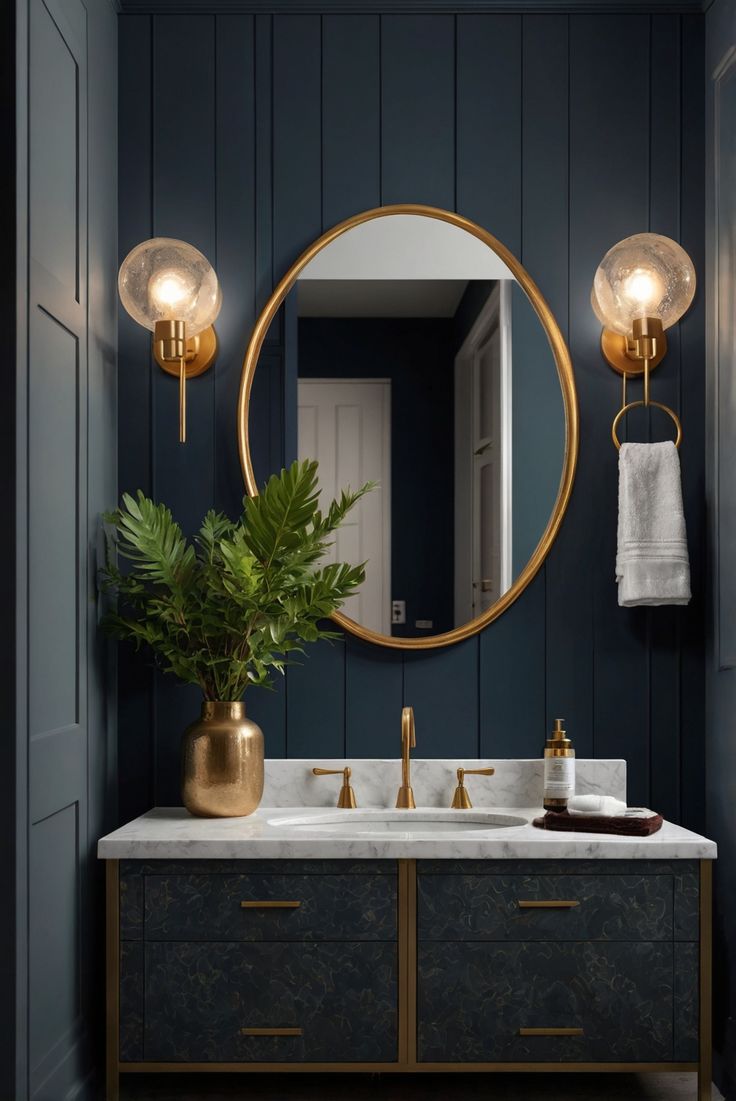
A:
(201, 353)
(615, 348)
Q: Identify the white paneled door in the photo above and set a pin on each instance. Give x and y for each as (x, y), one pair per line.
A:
(346, 425)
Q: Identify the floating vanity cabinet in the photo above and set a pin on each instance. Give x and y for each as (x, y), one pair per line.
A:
(405, 965)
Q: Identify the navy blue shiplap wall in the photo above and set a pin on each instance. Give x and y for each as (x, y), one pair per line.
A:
(720, 745)
(561, 134)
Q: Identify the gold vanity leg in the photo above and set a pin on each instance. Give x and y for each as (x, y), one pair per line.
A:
(705, 1065)
(112, 932)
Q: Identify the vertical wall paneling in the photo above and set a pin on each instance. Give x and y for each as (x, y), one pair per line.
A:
(664, 217)
(512, 688)
(235, 247)
(488, 120)
(417, 109)
(373, 700)
(317, 718)
(266, 708)
(692, 402)
(184, 205)
(609, 98)
(351, 118)
(263, 36)
(720, 747)
(525, 124)
(442, 687)
(136, 767)
(297, 136)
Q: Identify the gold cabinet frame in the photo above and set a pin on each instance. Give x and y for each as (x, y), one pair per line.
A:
(567, 385)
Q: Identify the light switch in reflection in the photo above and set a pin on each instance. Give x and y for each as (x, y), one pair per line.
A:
(398, 611)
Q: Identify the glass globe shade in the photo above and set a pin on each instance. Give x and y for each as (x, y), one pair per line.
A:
(168, 280)
(646, 275)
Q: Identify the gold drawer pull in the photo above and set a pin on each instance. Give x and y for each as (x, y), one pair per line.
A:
(551, 1032)
(271, 1032)
(548, 904)
(270, 905)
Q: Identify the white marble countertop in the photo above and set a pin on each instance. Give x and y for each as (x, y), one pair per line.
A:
(171, 833)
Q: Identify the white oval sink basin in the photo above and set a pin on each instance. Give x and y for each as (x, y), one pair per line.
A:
(409, 823)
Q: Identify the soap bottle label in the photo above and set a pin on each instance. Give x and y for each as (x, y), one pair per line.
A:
(559, 777)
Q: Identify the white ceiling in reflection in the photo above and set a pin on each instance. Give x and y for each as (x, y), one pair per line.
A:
(406, 246)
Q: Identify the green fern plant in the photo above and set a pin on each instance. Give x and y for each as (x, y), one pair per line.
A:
(227, 609)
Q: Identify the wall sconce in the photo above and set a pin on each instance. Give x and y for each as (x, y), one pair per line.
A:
(169, 287)
(642, 286)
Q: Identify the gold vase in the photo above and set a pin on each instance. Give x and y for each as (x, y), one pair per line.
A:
(222, 762)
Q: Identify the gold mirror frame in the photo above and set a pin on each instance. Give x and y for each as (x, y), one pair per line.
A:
(564, 372)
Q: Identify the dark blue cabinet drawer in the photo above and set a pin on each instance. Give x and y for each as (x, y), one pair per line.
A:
(338, 999)
(476, 998)
(545, 907)
(269, 907)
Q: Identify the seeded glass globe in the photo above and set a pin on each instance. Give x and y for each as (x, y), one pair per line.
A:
(646, 275)
(168, 280)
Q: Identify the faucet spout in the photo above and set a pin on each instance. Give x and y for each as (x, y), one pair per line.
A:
(405, 798)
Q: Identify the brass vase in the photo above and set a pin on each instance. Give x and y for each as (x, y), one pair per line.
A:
(222, 762)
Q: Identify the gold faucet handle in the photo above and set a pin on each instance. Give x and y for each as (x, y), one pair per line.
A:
(346, 799)
(461, 799)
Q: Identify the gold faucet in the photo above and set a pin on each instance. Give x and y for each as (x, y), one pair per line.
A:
(405, 798)
(346, 799)
(461, 799)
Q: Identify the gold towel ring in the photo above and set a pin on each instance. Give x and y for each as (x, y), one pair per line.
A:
(634, 405)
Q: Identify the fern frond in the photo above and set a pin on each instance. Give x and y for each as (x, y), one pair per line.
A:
(229, 610)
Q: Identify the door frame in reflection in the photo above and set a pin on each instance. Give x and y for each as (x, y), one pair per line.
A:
(474, 450)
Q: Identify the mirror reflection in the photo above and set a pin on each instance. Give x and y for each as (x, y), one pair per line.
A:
(413, 358)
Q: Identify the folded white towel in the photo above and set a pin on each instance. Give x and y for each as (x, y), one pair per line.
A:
(596, 806)
(652, 565)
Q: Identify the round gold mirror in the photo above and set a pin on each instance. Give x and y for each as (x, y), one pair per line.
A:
(416, 352)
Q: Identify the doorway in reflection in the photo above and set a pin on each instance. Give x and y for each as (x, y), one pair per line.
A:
(398, 383)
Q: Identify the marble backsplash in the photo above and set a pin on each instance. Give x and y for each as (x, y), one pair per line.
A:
(516, 783)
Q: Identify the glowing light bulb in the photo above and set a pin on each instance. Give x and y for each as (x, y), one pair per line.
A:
(646, 275)
(168, 280)
(169, 291)
(643, 287)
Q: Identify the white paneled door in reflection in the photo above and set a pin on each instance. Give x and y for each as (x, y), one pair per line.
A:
(346, 425)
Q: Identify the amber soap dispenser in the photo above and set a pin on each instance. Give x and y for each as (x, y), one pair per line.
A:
(559, 769)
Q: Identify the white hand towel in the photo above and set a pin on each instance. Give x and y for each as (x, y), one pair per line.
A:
(652, 565)
(596, 806)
